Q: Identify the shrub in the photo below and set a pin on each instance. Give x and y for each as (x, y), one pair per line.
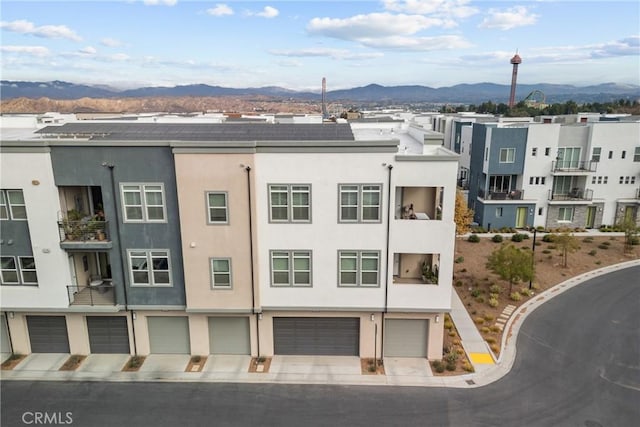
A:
(515, 296)
(458, 283)
(451, 366)
(517, 237)
(495, 328)
(485, 330)
(494, 348)
(593, 252)
(525, 292)
(598, 262)
(497, 238)
(490, 340)
(488, 317)
(606, 243)
(464, 270)
(476, 292)
(468, 367)
(603, 246)
(634, 240)
(546, 251)
(525, 236)
(552, 247)
(459, 259)
(549, 238)
(452, 333)
(480, 300)
(479, 320)
(495, 289)
(451, 357)
(493, 302)
(588, 239)
(474, 238)
(448, 324)
(438, 366)
(494, 296)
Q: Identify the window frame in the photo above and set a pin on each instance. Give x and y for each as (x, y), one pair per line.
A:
(151, 282)
(23, 269)
(289, 205)
(361, 190)
(13, 270)
(209, 207)
(213, 273)
(565, 209)
(511, 150)
(636, 154)
(7, 206)
(19, 271)
(291, 255)
(595, 155)
(360, 254)
(144, 206)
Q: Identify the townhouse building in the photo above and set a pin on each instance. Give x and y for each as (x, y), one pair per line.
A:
(244, 238)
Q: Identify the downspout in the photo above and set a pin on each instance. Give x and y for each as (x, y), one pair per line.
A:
(253, 284)
(386, 284)
(122, 258)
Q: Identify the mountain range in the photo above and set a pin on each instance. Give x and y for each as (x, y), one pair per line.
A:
(461, 93)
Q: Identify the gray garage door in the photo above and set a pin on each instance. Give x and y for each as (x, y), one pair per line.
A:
(48, 334)
(316, 336)
(169, 335)
(108, 334)
(406, 337)
(229, 335)
(5, 344)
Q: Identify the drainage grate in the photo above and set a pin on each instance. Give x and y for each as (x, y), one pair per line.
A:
(470, 382)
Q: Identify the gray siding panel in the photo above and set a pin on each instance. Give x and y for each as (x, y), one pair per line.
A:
(334, 336)
(48, 334)
(169, 335)
(108, 334)
(229, 335)
(406, 337)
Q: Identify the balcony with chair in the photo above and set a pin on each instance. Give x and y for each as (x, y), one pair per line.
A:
(97, 292)
(572, 167)
(576, 194)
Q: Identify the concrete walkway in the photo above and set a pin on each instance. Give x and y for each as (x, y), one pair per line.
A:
(309, 369)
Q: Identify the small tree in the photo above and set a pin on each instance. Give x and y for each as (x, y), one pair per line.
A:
(567, 244)
(511, 264)
(630, 233)
(463, 216)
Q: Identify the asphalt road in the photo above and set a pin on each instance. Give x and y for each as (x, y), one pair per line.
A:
(578, 364)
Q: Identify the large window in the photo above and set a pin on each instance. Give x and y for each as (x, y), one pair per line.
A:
(290, 268)
(18, 270)
(221, 273)
(636, 154)
(149, 268)
(507, 155)
(359, 268)
(143, 202)
(568, 157)
(290, 202)
(12, 206)
(217, 208)
(565, 214)
(595, 155)
(360, 202)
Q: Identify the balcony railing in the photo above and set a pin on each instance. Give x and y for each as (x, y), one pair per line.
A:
(573, 166)
(83, 231)
(574, 194)
(100, 294)
(501, 195)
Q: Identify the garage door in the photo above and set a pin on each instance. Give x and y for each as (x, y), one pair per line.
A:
(108, 334)
(406, 337)
(5, 344)
(316, 336)
(169, 335)
(229, 335)
(48, 334)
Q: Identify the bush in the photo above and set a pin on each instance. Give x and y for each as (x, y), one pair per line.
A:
(493, 302)
(488, 317)
(451, 366)
(494, 348)
(525, 292)
(494, 296)
(480, 300)
(593, 252)
(448, 324)
(464, 270)
(525, 236)
(549, 238)
(467, 367)
(495, 328)
(497, 238)
(479, 320)
(588, 239)
(603, 246)
(517, 237)
(491, 340)
(485, 330)
(452, 334)
(438, 366)
(474, 238)
(634, 241)
(458, 283)
(546, 251)
(606, 243)
(476, 292)
(552, 247)
(495, 289)
(515, 296)
(459, 259)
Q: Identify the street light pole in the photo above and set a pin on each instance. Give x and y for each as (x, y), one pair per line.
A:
(533, 251)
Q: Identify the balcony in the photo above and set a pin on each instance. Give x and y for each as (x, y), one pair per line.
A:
(573, 167)
(576, 195)
(423, 203)
(98, 292)
(416, 269)
(501, 195)
(84, 234)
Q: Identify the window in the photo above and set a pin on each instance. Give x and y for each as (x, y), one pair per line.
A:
(217, 208)
(221, 273)
(593, 180)
(542, 179)
(290, 203)
(633, 180)
(611, 154)
(507, 155)
(23, 272)
(624, 154)
(534, 151)
(360, 202)
(149, 268)
(565, 214)
(143, 202)
(547, 151)
(636, 154)
(606, 178)
(290, 268)
(595, 155)
(621, 180)
(359, 268)
(498, 212)
(12, 205)
(540, 211)
(530, 180)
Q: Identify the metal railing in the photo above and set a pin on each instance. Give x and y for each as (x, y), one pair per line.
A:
(574, 194)
(102, 294)
(573, 166)
(501, 195)
(83, 230)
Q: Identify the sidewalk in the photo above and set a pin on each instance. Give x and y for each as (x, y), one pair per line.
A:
(308, 369)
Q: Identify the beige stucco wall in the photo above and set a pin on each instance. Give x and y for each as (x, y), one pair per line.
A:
(19, 333)
(197, 174)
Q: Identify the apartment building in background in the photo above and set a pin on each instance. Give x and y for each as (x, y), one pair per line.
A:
(225, 238)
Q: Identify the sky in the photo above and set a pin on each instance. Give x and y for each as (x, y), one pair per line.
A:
(294, 44)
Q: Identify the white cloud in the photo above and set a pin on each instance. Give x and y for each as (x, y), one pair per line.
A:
(629, 46)
(28, 50)
(160, 2)
(417, 43)
(89, 50)
(220, 9)
(268, 12)
(46, 31)
(450, 8)
(291, 63)
(518, 16)
(109, 42)
(119, 57)
(340, 54)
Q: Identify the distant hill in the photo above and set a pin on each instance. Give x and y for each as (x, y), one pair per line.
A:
(462, 93)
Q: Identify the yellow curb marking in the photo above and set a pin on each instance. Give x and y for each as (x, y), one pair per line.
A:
(481, 358)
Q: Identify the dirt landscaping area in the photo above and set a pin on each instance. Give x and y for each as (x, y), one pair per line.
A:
(477, 286)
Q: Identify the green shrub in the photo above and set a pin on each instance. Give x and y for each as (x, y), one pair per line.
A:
(495, 296)
(464, 270)
(491, 340)
(493, 302)
(468, 367)
(485, 330)
(459, 259)
(438, 366)
(451, 366)
(480, 300)
(606, 243)
(474, 238)
(603, 246)
(497, 238)
(448, 324)
(495, 289)
(525, 236)
(634, 240)
(517, 237)
(588, 239)
(526, 292)
(476, 292)
(452, 333)
(546, 251)
(549, 238)
(495, 328)
(479, 320)
(515, 296)
(458, 283)
(488, 317)
(593, 252)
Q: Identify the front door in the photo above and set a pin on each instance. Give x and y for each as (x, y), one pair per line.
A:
(629, 214)
(591, 216)
(521, 217)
